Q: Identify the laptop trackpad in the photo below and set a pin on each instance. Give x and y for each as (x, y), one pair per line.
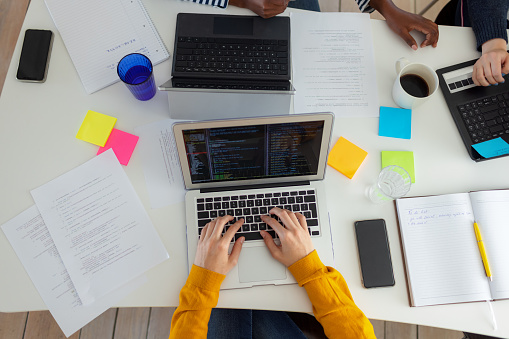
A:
(257, 264)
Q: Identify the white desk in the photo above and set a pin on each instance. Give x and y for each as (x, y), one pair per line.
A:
(38, 124)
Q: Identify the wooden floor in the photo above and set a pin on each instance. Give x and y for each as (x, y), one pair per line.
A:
(154, 323)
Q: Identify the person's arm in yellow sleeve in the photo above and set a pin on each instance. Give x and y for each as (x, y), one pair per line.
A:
(339, 315)
(201, 291)
(332, 302)
(197, 298)
(333, 305)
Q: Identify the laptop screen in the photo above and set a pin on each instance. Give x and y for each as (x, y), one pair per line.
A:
(253, 151)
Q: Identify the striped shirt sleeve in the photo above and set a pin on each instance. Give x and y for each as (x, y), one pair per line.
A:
(364, 6)
(215, 3)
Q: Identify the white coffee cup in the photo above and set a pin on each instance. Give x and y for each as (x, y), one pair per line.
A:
(416, 78)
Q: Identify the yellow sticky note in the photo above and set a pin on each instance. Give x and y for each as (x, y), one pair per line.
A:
(400, 158)
(96, 128)
(346, 157)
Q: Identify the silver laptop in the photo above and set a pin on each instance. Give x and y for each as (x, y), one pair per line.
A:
(245, 167)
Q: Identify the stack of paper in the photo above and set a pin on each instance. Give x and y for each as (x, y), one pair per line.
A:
(161, 165)
(333, 64)
(87, 242)
(97, 34)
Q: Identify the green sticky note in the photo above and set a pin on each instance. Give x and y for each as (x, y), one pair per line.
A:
(96, 128)
(401, 159)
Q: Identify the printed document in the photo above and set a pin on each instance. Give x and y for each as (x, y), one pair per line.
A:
(32, 242)
(99, 226)
(161, 164)
(98, 33)
(333, 64)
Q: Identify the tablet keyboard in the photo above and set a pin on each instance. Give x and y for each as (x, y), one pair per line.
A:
(231, 57)
(486, 118)
(250, 207)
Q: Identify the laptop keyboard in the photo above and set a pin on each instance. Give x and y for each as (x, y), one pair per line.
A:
(486, 118)
(219, 56)
(252, 206)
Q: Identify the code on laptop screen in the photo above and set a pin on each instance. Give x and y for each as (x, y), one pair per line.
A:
(253, 152)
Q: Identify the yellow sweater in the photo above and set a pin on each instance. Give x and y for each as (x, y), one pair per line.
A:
(333, 305)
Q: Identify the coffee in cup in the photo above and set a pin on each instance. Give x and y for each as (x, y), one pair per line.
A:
(414, 84)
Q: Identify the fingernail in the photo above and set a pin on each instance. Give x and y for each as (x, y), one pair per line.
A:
(496, 84)
(414, 47)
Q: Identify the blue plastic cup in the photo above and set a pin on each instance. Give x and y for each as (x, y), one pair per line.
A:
(135, 71)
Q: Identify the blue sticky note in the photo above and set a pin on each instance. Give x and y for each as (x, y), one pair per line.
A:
(492, 148)
(395, 122)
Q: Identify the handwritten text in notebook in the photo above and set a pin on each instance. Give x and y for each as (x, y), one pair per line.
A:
(423, 216)
(441, 256)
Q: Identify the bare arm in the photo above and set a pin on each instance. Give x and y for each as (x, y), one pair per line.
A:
(264, 8)
(402, 23)
(492, 64)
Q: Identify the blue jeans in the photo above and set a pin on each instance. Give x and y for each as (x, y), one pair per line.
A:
(309, 5)
(239, 324)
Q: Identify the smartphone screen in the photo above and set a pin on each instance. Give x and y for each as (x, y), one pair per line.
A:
(374, 253)
(33, 61)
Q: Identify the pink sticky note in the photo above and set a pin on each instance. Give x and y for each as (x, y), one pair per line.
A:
(123, 145)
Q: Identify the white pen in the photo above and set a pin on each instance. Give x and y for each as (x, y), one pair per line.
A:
(493, 319)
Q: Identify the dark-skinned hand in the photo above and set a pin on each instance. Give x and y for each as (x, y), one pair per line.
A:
(264, 8)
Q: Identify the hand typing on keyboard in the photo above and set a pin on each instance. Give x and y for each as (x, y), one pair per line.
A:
(212, 252)
(294, 237)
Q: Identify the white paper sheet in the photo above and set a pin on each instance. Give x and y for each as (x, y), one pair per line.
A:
(161, 164)
(491, 213)
(97, 34)
(34, 246)
(99, 226)
(333, 64)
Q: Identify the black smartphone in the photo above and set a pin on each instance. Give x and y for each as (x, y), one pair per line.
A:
(35, 53)
(374, 253)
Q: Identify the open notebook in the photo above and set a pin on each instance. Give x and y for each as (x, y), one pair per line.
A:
(443, 262)
(98, 33)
